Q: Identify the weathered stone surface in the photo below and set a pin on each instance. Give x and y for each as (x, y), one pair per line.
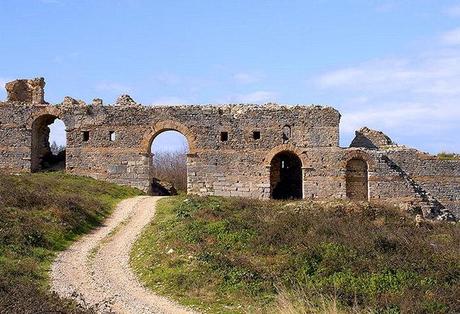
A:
(125, 100)
(28, 91)
(69, 101)
(235, 150)
(162, 188)
(371, 139)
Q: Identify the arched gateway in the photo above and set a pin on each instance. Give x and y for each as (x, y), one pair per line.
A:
(42, 156)
(286, 176)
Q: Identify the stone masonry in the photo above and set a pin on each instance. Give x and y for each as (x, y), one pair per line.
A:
(266, 151)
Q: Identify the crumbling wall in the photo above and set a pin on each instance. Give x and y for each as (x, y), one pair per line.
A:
(27, 91)
(440, 178)
(231, 147)
(370, 139)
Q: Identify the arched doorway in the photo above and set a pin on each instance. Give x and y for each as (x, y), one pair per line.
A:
(48, 144)
(357, 180)
(286, 176)
(168, 165)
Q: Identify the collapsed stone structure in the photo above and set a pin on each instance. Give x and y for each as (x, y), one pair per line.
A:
(268, 151)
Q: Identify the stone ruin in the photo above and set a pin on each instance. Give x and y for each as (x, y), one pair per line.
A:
(258, 151)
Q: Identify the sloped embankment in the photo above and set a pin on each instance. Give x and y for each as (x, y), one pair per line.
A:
(238, 255)
(41, 214)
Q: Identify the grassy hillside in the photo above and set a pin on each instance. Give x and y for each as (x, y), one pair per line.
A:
(39, 215)
(235, 255)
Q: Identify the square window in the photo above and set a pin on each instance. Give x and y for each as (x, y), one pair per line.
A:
(112, 136)
(256, 135)
(85, 136)
(223, 136)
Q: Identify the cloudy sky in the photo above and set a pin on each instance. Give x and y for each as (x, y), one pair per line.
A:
(388, 65)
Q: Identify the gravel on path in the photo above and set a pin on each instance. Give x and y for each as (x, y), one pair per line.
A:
(95, 270)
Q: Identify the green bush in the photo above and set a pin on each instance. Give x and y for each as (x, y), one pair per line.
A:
(233, 255)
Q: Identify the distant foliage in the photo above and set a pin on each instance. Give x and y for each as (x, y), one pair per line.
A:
(448, 156)
(56, 149)
(171, 167)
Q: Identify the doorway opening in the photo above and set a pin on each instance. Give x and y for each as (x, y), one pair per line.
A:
(286, 176)
(48, 144)
(168, 170)
(357, 180)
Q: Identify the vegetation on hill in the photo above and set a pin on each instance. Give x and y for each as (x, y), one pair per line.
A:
(448, 156)
(227, 255)
(39, 215)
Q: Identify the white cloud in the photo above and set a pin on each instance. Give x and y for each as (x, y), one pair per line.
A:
(453, 11)
(168, 100)
(434, 74)
(386, 7)
(113, 87)
(167, 79)
(413, 118)
(3, 81)
(51, 1)
(415, 98)
(255, 97)
(245, 78)
(451, 37)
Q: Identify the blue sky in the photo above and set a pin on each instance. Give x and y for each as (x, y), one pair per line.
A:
(388, 65)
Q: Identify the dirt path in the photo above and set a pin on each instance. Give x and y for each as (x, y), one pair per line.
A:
(95, 270)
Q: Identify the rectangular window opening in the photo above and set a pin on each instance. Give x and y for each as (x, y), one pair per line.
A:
(85, 136)
(112, 136)
(256, 135)
(223, 136)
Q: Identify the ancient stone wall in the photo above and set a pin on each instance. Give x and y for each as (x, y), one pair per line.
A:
(234, 150)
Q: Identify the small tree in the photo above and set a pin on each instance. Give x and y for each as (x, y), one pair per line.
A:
(56, 149)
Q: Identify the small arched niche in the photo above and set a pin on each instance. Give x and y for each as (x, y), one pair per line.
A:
(357, 182)
(286, 176)
(48, 147)
(168, 165)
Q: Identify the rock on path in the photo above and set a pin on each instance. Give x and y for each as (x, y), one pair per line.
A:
(95, 270)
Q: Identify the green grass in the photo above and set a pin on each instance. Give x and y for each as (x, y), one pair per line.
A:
(448, 156)
(230, 255)
(41, 214)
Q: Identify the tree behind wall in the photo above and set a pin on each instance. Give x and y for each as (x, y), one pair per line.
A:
(171, 167)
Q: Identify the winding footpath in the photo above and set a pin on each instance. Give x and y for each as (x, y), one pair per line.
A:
(95, 270)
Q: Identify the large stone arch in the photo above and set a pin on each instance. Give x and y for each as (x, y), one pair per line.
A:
(281, 148)
(358, 154)
(357, 165)
(270, 161)
(357, 180)
(41, 157)
(168, 125)
(44, 111)
(286, 176)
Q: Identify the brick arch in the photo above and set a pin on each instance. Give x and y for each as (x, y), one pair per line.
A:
(45, 111)
(40, 151)
(281, 148)
(168, 125)
(358, 154)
